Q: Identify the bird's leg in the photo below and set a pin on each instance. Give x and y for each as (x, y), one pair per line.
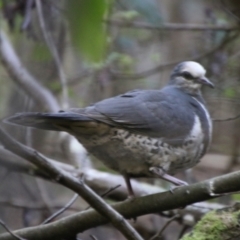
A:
(129, 186)
(131, 194)
(161, 174)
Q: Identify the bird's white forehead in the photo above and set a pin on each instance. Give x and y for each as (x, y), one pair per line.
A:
(196, 69)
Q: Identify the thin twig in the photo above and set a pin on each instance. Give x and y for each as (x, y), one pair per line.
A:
(9, 231)
(50, 43)
(229, 11)
(183, 230)
(93, 237)
(110, 190)
(171, 26)
(155, 70)
(56, 214)
(75, 80)
(227, 119)
(107, 192)
(44, 195)
(63, 79)
(27, 14)
(32, 206)
(158, 234)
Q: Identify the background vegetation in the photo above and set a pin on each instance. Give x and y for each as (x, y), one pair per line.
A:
(61, 54)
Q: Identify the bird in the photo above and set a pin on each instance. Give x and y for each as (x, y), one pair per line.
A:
(141, 133)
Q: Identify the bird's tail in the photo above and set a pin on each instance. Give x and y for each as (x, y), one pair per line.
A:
(47, 121)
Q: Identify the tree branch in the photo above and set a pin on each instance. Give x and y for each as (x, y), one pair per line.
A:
(23, 78)
(159, 202)
(42, 96)
(155, 70)
(60, 211)
(50, 43)
(227, 119)
(70, 182)
(10, 231)
(97, 180)
(100, 182)
(171, 26)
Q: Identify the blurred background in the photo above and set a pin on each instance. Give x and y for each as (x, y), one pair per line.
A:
(61, 54)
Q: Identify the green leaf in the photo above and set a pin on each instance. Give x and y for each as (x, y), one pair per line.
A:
(86, 26)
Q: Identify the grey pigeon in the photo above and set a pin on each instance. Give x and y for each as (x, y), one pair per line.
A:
(141, 133)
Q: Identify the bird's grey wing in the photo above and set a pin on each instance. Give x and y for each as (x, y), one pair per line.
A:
(152, 113)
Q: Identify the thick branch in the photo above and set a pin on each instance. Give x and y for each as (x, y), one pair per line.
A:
(159, 202)
(149, 204)
(23, 78)
(101, 182)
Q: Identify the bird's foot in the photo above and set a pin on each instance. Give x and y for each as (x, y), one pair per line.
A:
(130, 198)
(163, 175)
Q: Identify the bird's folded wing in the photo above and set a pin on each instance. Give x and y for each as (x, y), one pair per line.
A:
(152, 113)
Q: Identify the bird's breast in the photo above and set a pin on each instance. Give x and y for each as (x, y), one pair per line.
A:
(134, 154)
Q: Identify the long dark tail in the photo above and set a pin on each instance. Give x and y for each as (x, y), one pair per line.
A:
(47, 121)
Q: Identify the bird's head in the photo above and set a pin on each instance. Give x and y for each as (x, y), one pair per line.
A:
(189, 76)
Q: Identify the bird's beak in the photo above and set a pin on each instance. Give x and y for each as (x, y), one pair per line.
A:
(205, 81)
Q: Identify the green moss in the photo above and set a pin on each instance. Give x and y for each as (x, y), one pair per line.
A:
(236, 197)
(213, 226)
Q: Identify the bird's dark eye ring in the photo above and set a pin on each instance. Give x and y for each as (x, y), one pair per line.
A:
(187, 75)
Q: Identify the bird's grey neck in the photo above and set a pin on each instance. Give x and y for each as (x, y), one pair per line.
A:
(191, 90)
(194, 90)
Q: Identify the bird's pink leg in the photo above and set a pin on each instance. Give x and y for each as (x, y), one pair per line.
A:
(161, 174)
(129, 186)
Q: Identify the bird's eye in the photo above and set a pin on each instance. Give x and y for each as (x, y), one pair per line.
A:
(187, 75)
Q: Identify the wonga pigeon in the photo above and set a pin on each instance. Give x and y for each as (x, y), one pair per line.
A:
(141, 133)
